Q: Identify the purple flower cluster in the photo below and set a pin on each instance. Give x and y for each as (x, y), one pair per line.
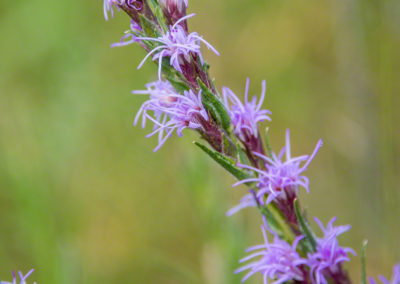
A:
(281, 179)
(170, 110)
(329, 254)
(130, 36)
(176, 44)
(280, 261)
(395, 278)
(22, 278)
(247, 201)
(245, 117)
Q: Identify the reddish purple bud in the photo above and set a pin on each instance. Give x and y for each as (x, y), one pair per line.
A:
(174, 10)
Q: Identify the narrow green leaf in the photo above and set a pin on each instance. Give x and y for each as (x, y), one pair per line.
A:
(305, 227)
(174, 77)
(205, 66)
(148, 27)
(364, 262)
(229, 147)
(152, 4)
(287, 233)
(215, 107)
(158, 13)
(271, 221)
(225, 162)
(267, 144)
(241, 155)
(162, 21)
(178, 85)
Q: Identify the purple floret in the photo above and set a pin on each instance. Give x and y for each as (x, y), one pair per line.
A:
(278, 261)
(176, 44)
(130, 36)
(395, 278)
(109, 5)
(247, 201)
(327, 260)
(22, 278)
(245, 117)
(281, 179)
(170, 110)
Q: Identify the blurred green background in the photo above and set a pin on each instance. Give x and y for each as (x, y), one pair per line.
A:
(83, 198)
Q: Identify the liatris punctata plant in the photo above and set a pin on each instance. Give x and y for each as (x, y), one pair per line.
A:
(184, 96)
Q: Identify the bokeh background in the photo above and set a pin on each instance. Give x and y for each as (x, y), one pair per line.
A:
(83, 199)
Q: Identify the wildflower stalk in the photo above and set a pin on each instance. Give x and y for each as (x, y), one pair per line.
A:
(185, 96)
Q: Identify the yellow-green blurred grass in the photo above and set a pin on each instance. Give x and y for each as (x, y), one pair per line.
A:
(84, 200)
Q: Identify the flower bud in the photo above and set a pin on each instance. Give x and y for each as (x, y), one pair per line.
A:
(174, 9)
(174, 4)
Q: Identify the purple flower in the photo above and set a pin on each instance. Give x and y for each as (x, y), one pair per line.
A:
(278, 261)
(130, 36)
(281, 179)
(395, 277)
(247, 201)
(171, 110)
(245, 117)
(109, 5)
(22, 278)
(329, 255)
(176, 44)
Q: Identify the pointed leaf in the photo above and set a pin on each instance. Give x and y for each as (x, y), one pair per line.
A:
(225, 162)
(241, 154)
(215, 107)
(273, 224)
(305, 228)
(162, 21)
(148, 28)
(267, 144)
(205, 66)
(229, 147)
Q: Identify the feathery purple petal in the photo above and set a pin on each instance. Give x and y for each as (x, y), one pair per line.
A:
(170, 111)
(277, 261)
(329, 255)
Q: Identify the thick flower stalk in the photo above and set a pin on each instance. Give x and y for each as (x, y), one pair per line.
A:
(185, 97)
